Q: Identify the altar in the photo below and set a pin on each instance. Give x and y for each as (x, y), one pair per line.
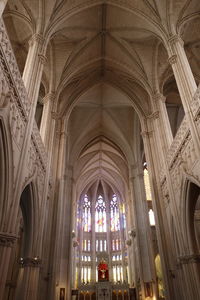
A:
(104, 290)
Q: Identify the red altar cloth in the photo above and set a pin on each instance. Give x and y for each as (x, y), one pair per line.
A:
(103, 271)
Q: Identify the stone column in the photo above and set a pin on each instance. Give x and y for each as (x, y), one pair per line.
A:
(66, 238)
(27, 286)
(34, 66)
(122, 240)
(165, 124)
(155, 157)
(131, 242)
(108, 237)
(132, 257)
(59, 204)
(2, 6)
(185, 82)
(6, 243)
(147, 271)
(93, 254)
(47, 115)
(81, 247)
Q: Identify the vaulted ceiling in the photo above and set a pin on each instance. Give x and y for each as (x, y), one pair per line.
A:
(105, 61)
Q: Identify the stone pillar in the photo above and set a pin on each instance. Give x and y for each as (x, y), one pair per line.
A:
(34, 66)
(132, 257)
(2, 6)
(66, 238)
(165, 124)
(81, 248)
(27, 286)
(93, 244)
(185, 82)
(108, 237)
(147, 270)
(59, 201)
(47, 115)
(155, 157)
(6, 243)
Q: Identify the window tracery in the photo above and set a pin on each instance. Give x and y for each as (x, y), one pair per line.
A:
(86, 214)
(100, 227)
(100, 215)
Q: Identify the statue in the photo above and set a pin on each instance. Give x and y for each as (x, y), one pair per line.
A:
(103, 271)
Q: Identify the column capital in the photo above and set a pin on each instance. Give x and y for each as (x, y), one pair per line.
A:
(175, 39)
(48, 97)
(159, 97)
(36, 38)
(42, 59)
(172, 59)
(7, 239)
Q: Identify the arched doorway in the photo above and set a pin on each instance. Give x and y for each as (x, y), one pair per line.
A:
(22, 249)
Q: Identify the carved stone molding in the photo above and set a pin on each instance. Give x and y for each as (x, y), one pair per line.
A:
(36, 38)
(172, 59)
(175, 39)
(197, 94)
(30, 262)
(154, 115)
(48, 97)
(7, 240)
(189, 259)
(42, 58)
(146, 134)
(159, 97)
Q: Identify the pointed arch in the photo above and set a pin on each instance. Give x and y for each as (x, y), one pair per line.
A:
(190, 195)
(29, 208)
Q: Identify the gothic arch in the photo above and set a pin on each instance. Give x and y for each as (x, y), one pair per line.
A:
(189, 197)
(29, 208)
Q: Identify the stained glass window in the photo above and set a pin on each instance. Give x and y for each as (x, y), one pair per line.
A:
(86, 214)
(114, 214)
(100, 215)
(105, 245)
(151, 218)
(97, 244)
(88, 245)
(94, 231)
(123, 216)
(147, 183)
(113, 245)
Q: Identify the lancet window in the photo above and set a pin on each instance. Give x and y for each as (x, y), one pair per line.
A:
(101, 227)
(100, 215)
(86, 214)
(114, 214)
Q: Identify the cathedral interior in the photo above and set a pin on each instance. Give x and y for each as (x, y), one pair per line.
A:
(99, 150)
